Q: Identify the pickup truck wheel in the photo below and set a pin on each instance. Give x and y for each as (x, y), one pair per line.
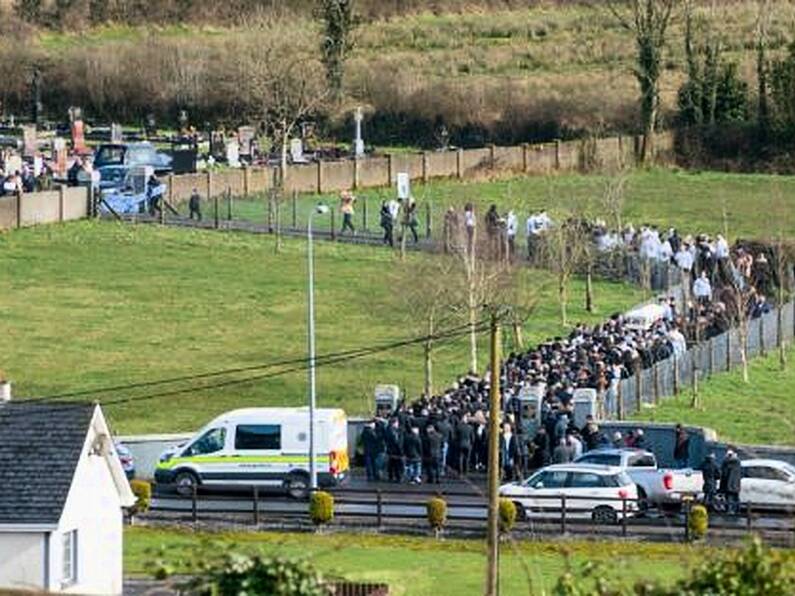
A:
(297, 486)
(521, 512)
(604, 515)
(186, 482)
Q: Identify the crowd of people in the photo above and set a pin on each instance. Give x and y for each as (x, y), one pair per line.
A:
(449, 431)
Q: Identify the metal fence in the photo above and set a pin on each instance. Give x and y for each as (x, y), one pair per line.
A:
(720, 354)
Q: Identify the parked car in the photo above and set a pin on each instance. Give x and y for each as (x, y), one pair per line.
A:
(592, 491)
(113, 177)
(661, 487)
(126, 459)
(767, 483)
(132, 154)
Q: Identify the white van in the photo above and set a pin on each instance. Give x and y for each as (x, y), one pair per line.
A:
(262, 447)
(644, 317)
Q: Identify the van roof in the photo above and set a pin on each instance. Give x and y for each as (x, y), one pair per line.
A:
(248, 413)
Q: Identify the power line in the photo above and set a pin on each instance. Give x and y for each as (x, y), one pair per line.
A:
(276, 363)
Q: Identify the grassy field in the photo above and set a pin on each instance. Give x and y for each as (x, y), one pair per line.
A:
(761, 412)
(89, 305)
(420, 566)
(756, 205)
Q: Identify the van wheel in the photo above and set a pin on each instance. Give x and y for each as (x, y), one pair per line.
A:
(521, 512)
(186, 482)
(604, 515)
(297, 486)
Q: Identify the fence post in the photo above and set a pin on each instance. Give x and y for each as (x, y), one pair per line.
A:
(215, 213)
(620, 400)
(620, 152)
(638, 388)
(676, 374)
(256, 505)
(687, 521)
(749, 519)
(355, 173)
(319, 176)
(209, 184)
(295, 208)
(246, 180)
(562, 514)
(424, 167)
(333, 228)
(525, 157)
(728, 350)
(428, 219)
(19, 208)
(557, 154)
(162, 211)
(390, 172)
(492, 157)
(459, 163)
(379, 508)
(61, 199)
(194, 505)
(171, 189)
(656, 378)
(364, 213)
(624, 517)
(711, 356)
(762, 348)
(229, 210)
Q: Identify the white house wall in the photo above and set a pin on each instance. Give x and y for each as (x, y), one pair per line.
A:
(22, 560)
(93, 508)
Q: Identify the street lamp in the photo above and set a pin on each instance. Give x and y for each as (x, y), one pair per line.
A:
(319, 210)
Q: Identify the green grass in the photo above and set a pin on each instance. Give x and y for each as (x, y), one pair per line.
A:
(761, 412)
(422, 566)
(691, 201)
(93, 304)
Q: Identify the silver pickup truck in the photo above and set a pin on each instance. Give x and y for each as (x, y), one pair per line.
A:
(663, 488)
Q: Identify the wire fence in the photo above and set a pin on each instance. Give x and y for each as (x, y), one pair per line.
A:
(722, 353)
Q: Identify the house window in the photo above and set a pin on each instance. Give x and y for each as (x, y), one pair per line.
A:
(69, 575)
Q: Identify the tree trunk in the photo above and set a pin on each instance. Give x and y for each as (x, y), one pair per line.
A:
(564, 320)
(780, 341)
(589, 306)
(280, 191)
(744, 349)
(518, 340)
(473, 338)
(428, 369)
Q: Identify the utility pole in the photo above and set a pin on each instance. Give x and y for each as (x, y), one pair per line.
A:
(493, 538)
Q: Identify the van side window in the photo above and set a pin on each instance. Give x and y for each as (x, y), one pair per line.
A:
(642, 461)
(258, 436)
(210, 442)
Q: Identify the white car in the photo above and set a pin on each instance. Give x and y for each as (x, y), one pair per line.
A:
(592, 491)
(767, 483)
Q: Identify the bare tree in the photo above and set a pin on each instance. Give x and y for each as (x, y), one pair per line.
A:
(762, 66)
(561, 253)
(648, 21)
(281, 84)
(339, 22)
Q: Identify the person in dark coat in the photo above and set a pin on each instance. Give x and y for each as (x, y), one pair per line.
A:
(710, 472)
(681, 447)
(446, 432)
(464, 435)
(434, 454)
(540, 457)
(394, 450)
(373, 444)
(387, 224)
(731, 475)
(413, 449)
(509, 453)
(194, 205)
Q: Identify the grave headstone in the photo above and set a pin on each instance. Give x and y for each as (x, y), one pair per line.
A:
(403, 185)
(233, 153)
(245, 136)
(116, 133)
(29, 140)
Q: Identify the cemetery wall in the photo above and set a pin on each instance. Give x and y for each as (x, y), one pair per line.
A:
(75, 203)
(41, 207)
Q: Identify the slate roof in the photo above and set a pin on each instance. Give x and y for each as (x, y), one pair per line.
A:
(40, 446)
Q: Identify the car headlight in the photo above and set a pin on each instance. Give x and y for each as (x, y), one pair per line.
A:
(165, 457)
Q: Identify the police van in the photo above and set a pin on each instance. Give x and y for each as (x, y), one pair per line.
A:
(262, 447)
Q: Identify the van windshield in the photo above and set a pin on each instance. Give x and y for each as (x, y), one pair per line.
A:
(210, 442)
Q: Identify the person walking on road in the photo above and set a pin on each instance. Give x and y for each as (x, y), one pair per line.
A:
(387, 223)
(464, 436)
(373, 445)
(346, 208)
(434, 454)
(710, 473)
(394, 449)
(194, 205)
(413, 450)
(731, 474)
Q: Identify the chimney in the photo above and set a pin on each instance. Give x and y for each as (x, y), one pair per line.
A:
(5, 391)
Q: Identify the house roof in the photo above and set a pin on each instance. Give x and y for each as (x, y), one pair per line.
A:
(40, 446)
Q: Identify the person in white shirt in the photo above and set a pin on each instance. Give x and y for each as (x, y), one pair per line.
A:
(511, 227)
(394, 211)
(664, 251)
(721, 248)
(531, 234)
(702, 289)
(678, 342)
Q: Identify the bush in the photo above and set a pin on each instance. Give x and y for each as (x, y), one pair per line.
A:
(437, 513)
(698, 522)
(254, 574)
(321, 508)
(507, 515)
(143, 490)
